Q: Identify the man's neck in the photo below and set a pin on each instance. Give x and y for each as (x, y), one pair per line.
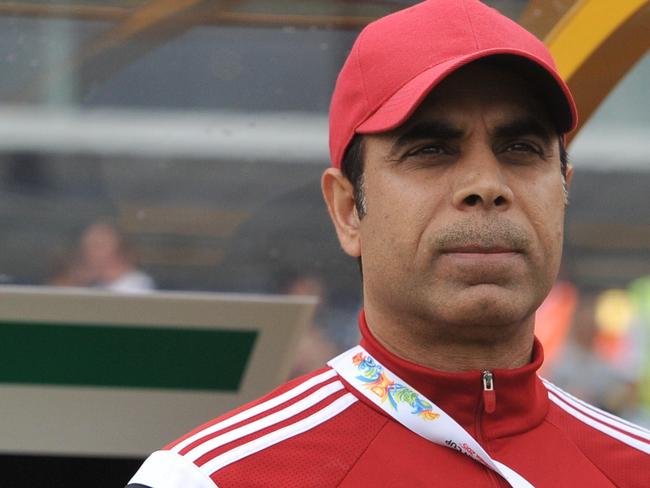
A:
(508, 346)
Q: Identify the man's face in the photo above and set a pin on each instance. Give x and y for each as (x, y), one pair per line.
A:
(465, 207)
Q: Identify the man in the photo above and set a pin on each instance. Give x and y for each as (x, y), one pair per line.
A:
(109, 262)
(104, 260)
(449, 184)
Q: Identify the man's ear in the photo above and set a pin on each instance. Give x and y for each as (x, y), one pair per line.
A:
(569, 176)
(339, 197)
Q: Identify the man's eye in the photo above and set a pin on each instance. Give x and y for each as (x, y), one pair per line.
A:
(523, 147)
(432, 149)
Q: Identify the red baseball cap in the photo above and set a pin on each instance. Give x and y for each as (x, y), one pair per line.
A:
(397, 60)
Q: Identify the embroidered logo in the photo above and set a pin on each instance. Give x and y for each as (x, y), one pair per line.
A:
(372, 374)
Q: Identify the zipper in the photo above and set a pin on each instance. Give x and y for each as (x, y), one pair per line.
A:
(489, 396)
(489, 406)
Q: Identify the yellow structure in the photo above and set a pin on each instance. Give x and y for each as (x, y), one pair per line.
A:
(596, 43)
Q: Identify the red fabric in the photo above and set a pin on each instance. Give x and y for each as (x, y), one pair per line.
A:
(318, 459)
(362, 446)
(254, 418)
(521, 401)
(278, 391)
(243, 440)
(397, 60)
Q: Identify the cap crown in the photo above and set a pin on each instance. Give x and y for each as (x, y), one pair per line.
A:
(395, 49)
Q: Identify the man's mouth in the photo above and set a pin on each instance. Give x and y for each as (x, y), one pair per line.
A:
(477, 254)
(478, 249)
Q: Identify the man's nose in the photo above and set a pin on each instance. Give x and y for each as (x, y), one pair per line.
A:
(481, 183)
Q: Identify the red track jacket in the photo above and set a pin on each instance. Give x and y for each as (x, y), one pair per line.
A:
(318, 431)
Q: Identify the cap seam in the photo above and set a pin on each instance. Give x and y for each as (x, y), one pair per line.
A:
(358, 62)
(471, 25)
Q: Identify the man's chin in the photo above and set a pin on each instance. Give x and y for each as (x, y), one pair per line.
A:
(489, 305)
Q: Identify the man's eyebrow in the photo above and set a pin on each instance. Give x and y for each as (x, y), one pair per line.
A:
(524, 126)
(429, 129)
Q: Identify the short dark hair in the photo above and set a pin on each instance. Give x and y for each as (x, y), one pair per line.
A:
(353, 164)
(352, 167)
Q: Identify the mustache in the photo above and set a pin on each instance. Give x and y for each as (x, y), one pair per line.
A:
(493, 233)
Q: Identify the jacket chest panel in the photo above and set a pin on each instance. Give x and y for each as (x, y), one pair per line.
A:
(397, 457)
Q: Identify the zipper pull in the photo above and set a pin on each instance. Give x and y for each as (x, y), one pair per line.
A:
(489, 395)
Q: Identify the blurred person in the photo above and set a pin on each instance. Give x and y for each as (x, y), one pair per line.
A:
(640, 295)
(449, 183)
(581, 370)
(553, 320)
(109, 261)
(600, 367)
(315, 346)
(67, 270)
(620, 339)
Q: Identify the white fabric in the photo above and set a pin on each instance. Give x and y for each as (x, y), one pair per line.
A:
(132, 282)
(165, 469)
(442, 429)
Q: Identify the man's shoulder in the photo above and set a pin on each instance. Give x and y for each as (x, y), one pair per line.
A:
(617, 447)
(300, 421)
(578, 418)
(293, 391)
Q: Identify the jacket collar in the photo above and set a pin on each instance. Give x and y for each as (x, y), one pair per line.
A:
(520, 398)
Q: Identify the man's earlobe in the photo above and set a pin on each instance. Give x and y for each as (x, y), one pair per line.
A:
(339, 197)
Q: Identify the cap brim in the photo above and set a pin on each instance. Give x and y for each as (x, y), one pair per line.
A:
(401, 105)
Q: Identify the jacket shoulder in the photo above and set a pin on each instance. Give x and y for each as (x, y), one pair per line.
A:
(618, 448)
(303, 422)
(289, 392)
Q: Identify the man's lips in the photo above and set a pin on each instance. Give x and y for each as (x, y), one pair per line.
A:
(481, 254)
(480, 250)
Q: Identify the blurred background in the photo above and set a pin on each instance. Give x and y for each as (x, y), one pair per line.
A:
(178, 145)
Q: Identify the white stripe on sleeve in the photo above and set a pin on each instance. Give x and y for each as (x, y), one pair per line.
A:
(276, 417)
(598, 414)
(257, 409)
(605, 429)
(268, 440)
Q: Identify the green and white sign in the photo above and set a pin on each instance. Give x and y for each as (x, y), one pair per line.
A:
(93, 373)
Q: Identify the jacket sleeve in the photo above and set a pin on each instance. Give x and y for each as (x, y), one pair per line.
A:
(165, 469)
